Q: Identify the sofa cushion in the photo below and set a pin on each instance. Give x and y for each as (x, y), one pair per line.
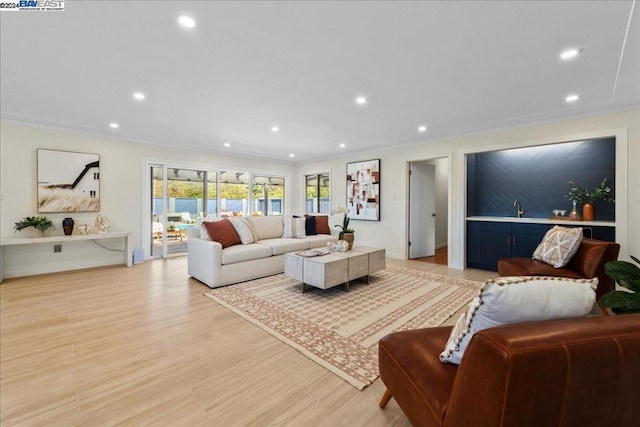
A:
(293, 227)
(222, 232)
(507, 300)
(240, 253)
(533, 267)
(320, 240)
(322, 224)
(310, 225)
(558, 245)
(283, 245)
(244, 230)
(266, 227)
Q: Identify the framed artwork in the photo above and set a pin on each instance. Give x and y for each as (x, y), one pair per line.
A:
(68, 182)
(363, 190)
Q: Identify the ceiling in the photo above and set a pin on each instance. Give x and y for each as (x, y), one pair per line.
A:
(457, 67)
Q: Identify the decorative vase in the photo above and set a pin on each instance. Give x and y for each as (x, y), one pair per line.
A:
(574, 212)
(348, 237)
(587, 212)
(67, 226)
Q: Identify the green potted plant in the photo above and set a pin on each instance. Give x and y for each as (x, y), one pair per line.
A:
(588, 197)
(41, 223)
(346, 232)
(628, 276)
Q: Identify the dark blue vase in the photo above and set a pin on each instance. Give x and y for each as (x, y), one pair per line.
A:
(67, 226)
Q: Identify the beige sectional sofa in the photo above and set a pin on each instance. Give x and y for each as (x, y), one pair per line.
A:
(209, 263)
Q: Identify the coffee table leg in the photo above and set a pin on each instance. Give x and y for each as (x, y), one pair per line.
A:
(346, 286)
(304, 287)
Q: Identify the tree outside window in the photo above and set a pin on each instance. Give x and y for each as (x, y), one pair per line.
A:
(317, 193)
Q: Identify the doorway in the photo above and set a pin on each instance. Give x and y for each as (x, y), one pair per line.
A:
(179, 196)
(428, 210)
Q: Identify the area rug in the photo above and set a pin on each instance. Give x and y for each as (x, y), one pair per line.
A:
(340, 330)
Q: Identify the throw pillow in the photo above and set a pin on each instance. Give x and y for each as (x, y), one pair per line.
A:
(310, 225)
(222, 232)
(204, 235)
(558, 246)
(322, 224)
(294, 227)
(244, 230)
(507, 300)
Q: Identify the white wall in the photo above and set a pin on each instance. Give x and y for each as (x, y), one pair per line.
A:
(122, 189)
(121, 192)
(391, 232)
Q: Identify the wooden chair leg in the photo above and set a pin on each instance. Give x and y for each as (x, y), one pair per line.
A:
(385, 398)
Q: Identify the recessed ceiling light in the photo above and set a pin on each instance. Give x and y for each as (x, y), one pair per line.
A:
(275, 128)
(343, 145)
(139, 96)
(422, 128)
(361, 100)
(186, 21)
(572, 98)
(569, 54)
(226, 144)
(292, 155)
(114, 125)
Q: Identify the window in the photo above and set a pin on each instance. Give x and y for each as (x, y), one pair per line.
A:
(234, 193)
(267, 195)
(212, 195)
(317, 189)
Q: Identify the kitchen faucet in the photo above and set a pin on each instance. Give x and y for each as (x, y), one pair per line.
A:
(519, 210)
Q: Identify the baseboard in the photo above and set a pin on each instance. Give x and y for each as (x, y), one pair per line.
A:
(441, 245)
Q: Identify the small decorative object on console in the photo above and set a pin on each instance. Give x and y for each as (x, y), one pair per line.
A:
(40, 223)
(83, 229)
(588, 198)
(67, 226)
(102, 224)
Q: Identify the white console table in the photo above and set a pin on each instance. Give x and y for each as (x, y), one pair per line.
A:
(10, 241)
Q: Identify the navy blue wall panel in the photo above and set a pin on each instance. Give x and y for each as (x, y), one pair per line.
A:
(538, 177)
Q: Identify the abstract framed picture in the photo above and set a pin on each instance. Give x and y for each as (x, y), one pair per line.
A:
(363, 190)
(68, 181)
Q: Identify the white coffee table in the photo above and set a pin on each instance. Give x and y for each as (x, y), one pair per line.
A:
(336, 268)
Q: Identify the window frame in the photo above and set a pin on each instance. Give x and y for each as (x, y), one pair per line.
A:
(318, 176)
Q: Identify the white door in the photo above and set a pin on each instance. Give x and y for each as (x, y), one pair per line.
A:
(422, 208)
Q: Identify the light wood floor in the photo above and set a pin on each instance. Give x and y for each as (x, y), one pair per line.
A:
(143, 346)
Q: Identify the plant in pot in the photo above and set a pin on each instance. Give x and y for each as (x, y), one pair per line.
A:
(588, 198)
(41, 223)
(346, 232)
(628, 276)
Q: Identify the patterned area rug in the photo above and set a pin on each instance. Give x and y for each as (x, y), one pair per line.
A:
(340, 330)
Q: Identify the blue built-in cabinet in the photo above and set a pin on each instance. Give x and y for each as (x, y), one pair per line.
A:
(488, 241)
(539, 178)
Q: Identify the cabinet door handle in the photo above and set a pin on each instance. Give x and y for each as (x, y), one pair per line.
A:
(508, 240)
(513, 240)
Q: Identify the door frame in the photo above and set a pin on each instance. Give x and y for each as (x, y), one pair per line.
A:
(147, 233)
(449, 202)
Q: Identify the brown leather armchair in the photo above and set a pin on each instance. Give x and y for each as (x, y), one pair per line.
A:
(571, 372)
(587, 263)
